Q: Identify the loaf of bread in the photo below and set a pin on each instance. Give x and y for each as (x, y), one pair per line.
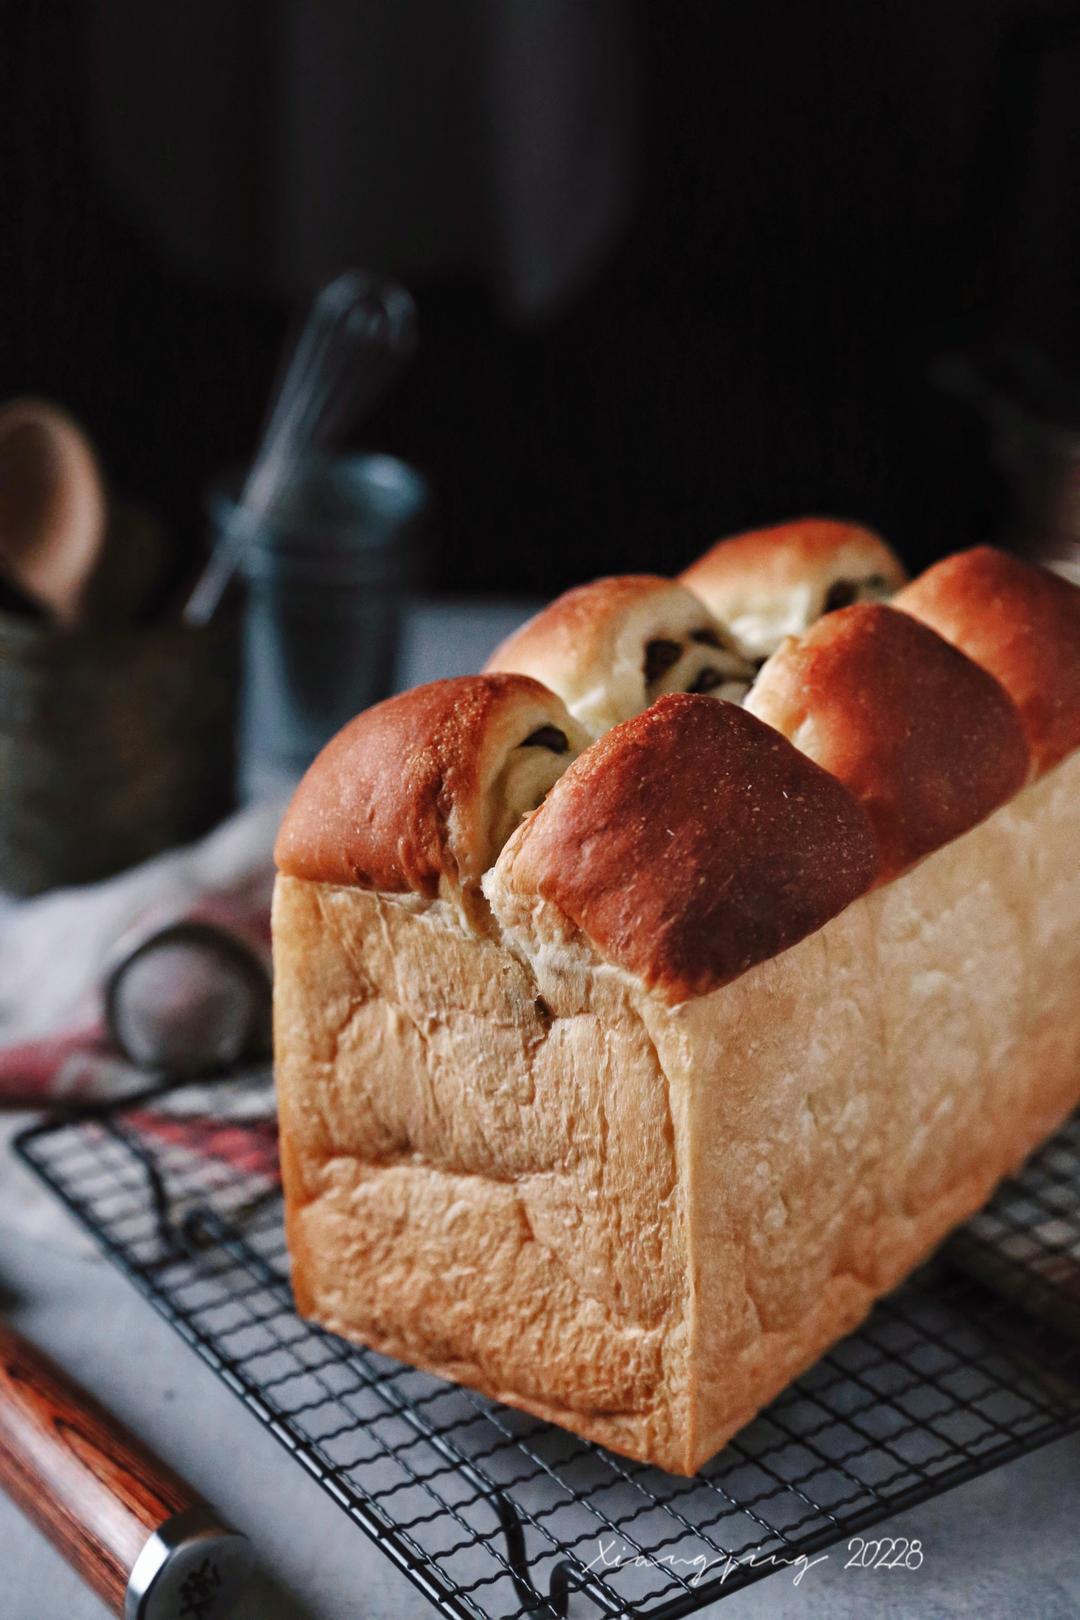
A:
(618, 1078)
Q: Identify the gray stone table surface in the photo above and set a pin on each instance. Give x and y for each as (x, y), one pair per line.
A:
(1003, 1547)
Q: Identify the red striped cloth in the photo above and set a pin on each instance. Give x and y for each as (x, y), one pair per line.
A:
(56, 951)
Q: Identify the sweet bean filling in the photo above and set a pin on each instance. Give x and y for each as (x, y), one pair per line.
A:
(659, 657)
(546, 737)
(843, 592)
(662, 655)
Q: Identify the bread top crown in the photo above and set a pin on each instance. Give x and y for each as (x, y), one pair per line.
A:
(927, 741)
(418, 794)
(687, 844)
(612, 647)
(1020, 622)
(693, 840)
(775, 582)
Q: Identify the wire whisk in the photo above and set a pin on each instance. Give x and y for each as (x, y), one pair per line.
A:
(359, 331)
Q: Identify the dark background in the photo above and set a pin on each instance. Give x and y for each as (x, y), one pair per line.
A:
(826, 199)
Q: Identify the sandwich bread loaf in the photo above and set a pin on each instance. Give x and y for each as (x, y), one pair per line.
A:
(631, 1040)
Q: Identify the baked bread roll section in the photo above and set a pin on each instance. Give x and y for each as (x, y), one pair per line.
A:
(777, 582)
(927, 741)
(684, 846)
(619, 1086)
(1021, 623)
(611, 648)
(418, 794)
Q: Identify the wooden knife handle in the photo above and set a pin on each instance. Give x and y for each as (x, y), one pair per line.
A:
(93, 1489)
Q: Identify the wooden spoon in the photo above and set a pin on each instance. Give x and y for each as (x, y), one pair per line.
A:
(52, 507)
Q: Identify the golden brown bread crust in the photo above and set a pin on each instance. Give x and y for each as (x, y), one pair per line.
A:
(641, 1221)
(610, 648)
(927, 741)
(1020, 622)
(688, 844)
(418, 793)
(640, 1214)
(774, 582)
(466, 1188)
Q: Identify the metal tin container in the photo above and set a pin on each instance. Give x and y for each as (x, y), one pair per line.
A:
(326, 581)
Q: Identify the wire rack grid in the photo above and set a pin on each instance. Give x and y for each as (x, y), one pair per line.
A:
(494, 1515)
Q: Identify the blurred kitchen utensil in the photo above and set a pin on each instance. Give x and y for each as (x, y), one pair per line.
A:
(134, 1531)
(327, 576)
(52, 508)
(187, 998)
(357, 334)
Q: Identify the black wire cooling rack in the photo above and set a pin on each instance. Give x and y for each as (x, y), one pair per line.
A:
(493, 1514)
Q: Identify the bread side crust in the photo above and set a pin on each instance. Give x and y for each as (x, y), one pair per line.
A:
(476, 1185)
(641, 1221)
(864, 1093)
